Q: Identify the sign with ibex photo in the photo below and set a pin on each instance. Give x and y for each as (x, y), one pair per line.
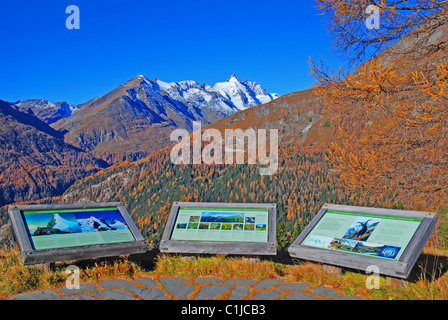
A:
(50, 233)
(357, 237)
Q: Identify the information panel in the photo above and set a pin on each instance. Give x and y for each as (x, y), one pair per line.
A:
(383, 237)
(215, 228)
(52, 233)
(359, 237)
(219, 224)
(55, 229)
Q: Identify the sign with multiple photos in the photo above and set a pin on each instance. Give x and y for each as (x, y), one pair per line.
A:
(228, 228)
(50, 233)
(357, 237)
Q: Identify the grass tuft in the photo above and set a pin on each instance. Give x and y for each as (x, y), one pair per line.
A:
(225, 267)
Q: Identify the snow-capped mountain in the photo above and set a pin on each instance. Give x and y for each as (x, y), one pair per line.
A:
(230, 96)
(243, 94)
(64, 225)
(94, 224)
(47, 111)
(192, 95)
(138, 116)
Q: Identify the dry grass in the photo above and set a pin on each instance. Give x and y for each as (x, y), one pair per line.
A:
(16, 278)
(222, 266)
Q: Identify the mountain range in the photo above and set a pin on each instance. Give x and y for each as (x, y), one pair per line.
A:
(137, 117)
(94, 224)
(46, 147)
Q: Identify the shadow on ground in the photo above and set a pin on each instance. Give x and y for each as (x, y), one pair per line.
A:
(429, 267)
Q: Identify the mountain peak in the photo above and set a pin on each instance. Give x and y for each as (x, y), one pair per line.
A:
(233, 78)
(141, 77)
(137, 79)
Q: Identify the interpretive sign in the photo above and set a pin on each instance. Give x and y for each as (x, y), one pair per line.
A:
(50, 233)
(214, 228)
(358, 237)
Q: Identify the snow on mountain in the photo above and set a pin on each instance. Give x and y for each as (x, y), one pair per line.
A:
(48, 112)
(189, 93)
(187, 101)
(227, 97)
(260, 93)
(35, 104)
(242, 94)
(118, 225)
(94, 224)
(178, 102)
(64, 225)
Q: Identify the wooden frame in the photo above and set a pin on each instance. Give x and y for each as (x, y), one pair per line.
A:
(31, 256)
(400, 268)
(225, 247)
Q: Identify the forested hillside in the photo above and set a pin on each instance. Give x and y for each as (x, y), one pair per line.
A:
(149, 187)
(35, 162)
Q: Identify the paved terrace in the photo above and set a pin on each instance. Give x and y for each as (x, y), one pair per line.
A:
(179, 288)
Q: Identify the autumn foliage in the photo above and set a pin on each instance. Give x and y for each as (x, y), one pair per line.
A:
(392, 126)
(349, 35)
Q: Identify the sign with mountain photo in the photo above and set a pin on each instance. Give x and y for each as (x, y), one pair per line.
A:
(70, 228)
(51, 233)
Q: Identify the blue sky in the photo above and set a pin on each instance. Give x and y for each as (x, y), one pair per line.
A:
(266, 41)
